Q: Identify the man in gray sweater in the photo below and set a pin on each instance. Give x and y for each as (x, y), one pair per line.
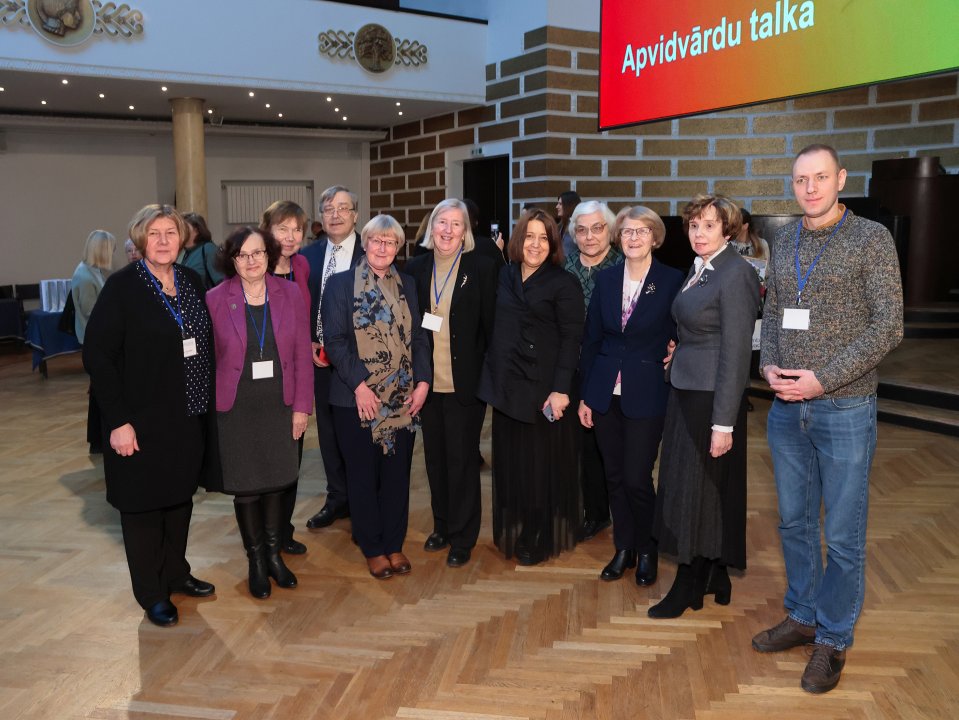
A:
(833, 311)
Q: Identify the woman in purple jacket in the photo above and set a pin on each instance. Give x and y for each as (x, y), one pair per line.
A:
(264, 393)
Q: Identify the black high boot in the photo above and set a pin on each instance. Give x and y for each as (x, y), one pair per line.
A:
(249, 518)
(686, 592)
(718, 584)
(274, 523)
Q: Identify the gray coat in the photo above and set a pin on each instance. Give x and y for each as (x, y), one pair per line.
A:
(715, 320)
(85, 287)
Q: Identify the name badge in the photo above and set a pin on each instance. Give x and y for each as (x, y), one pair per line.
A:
(189, 347)
(795, 319)
(432, 322)
(262, 369)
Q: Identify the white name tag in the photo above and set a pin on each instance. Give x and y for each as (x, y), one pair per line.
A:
(432, 322)
(189, 347)
(262, 369)
(795, 319)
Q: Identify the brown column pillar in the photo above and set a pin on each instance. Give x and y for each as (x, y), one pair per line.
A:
(189, 155)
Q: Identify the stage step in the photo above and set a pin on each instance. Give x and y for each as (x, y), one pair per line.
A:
(936, 314)
(931, 330)
(919, 394)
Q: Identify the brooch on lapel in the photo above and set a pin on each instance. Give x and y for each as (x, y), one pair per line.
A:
(703, 279)
(465, 278)
(650, 289)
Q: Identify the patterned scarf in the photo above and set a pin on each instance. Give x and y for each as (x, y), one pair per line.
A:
(383, 328)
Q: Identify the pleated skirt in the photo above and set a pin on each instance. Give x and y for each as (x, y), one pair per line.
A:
(701, 500)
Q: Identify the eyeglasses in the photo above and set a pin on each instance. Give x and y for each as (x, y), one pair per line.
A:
(330, 211)
(594, 229)
(382, 242)
(255, 256)
(630, 233)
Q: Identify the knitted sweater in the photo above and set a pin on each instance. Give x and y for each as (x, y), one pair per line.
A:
(854, 298)
(587, 275)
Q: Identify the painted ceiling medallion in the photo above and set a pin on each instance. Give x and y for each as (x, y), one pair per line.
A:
(373, 47)
(71, 22)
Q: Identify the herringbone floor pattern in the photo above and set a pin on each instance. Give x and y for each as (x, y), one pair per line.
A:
(488, 641)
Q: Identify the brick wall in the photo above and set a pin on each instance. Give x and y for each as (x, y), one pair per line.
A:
(544, 103)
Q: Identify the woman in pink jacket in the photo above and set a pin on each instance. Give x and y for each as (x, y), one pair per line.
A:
(264, 393)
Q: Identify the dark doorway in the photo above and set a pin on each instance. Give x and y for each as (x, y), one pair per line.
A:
(486, 182)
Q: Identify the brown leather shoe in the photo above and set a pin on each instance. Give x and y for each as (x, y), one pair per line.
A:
(785, 635)
(400, 563)
(380, 567)
(824, 669)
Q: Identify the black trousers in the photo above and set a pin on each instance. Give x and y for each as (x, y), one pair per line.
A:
(378, 484)
(155, 543)
(451, 433)
(629, 447)
(593, 479)
(333, 462)
(289, 496)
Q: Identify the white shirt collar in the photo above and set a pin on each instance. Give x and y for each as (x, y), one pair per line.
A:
(698, 262)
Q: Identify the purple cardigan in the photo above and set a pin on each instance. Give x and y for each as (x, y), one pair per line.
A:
(290, 329)
(301, 276)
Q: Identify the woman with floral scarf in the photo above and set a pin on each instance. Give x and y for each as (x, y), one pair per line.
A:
(381, 361)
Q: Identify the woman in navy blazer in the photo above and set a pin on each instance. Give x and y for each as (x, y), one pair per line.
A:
(628, 328)
(264, 394)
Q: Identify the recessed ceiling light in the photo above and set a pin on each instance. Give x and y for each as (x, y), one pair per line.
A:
(329, 99)
(397, 104)
(163, 88)
(344, 117)
(102, 96)
(132, 108)
(251, 93)
(336, 109)
(65, 81)
(268, 105)
(279, 114)
(43, 102)
(2, 89)
(400, 112)
(209, 111)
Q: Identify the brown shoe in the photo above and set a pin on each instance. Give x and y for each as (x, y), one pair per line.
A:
(400, 563)
(380, 567)
(785, 635)
(823, 669)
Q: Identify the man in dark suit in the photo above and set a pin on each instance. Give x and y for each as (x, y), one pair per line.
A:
(339, 251)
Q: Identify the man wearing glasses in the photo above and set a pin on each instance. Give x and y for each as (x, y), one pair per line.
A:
(339, 251)
(591, 224)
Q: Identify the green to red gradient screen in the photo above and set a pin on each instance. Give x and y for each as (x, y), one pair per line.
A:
(666, 58)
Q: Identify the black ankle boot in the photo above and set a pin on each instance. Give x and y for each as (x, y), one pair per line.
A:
(647, 565)
(621, 562)
(249, 518)
(273, 524)
(687, 591)
(718, 584)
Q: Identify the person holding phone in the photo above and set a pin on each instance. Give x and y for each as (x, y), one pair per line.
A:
(528, 378)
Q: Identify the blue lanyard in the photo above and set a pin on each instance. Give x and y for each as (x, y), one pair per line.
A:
(801, 279)
(178, 313)
(438, 295)
(260, 334)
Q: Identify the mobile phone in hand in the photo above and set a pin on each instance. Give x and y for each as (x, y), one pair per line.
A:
(548, 412)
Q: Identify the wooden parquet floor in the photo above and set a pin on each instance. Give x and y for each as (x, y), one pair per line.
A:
(490, 641)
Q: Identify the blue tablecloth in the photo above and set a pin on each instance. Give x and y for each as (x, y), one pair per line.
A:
(46, 339)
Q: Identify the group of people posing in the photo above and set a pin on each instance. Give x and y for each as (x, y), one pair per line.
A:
(592, 359)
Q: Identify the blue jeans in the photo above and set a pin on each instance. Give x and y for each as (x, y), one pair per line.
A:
(822, 451)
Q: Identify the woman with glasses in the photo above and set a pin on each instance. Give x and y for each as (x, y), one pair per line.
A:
(592, 225)
(628, 329)
(456, 287)
(264, 394)
(286, 222)
(149, 354)
(381, 376)
(528, 379)
(701, 503)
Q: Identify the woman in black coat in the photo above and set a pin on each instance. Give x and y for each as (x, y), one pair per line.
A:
(149, 354)
(456, 289)
(528, 378)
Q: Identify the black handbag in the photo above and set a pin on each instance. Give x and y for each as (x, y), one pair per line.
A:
(68, 318)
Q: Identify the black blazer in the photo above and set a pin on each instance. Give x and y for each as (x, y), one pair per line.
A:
(133, 351)
(536, 336)
(636, 352)
(340, 337)
(315, 253)
(471, 315)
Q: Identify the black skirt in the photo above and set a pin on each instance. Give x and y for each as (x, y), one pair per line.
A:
(536, 493)
(701, 500)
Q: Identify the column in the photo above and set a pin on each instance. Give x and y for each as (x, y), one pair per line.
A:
(189, 155)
